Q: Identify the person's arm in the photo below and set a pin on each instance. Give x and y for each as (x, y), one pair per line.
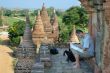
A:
(85, 49)
(80, 46)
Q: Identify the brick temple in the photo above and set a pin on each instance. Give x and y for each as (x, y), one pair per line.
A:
(30, 48)
(44, 30)
(99, 28)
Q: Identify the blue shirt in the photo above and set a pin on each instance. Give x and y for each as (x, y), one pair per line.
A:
(87, 43)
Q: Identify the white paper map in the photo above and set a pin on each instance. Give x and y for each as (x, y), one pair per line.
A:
(74, 47)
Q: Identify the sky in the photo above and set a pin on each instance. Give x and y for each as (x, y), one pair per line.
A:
(32, 4)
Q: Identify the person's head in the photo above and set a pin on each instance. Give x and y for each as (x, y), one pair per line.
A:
(79, 33)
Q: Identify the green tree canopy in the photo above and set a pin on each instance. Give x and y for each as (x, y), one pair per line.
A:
(7, 12)
(73, 16)
(23, 12)
(15, 31)
(77, 16)
(0, 18)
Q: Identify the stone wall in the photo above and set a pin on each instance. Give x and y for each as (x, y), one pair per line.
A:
(106, 50)
(100, 18)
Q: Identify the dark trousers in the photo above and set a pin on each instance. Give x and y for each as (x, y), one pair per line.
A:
(70, 55)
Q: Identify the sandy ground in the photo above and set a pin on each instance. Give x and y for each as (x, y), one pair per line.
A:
(6, 61)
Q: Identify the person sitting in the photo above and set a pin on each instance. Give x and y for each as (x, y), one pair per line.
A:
(87, 46)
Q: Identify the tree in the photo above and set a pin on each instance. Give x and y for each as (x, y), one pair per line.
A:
(76, 15)
(59, 12)
(50, 11)
(15, 12)
(0, 18)
(23, 12)
(15, 31)
(73, 16)
(64, 34)
(7, 12)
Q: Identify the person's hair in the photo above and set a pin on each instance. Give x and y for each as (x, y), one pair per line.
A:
(79, 31)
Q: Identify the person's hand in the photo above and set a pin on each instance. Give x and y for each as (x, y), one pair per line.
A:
(84, 50)
(79, 46)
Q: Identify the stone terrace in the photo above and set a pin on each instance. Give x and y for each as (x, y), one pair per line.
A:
(60, 65)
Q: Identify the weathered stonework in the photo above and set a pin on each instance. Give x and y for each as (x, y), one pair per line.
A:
(38, 68)
(106, 51)
(44, 31)
(55, 29)
(45, 55)
(95, 30)
(38, 33)
(25, 52)
(46, 21)
(102, 29)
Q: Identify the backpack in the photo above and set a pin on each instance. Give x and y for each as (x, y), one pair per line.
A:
(53, 51)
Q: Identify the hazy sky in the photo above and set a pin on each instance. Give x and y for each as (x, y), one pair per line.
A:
(59, 4)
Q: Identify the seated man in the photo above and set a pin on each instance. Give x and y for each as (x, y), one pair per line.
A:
(87, 46)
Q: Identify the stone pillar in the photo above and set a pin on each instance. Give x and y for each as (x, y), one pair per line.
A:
(45, 56)
(106, 50)
(95, 7)
(98, 5)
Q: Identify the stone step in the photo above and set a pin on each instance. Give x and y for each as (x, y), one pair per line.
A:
(38, 68)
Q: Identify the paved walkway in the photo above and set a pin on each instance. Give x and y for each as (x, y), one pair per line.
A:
(59, 65)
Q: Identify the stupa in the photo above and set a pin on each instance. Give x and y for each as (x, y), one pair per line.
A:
(38, 33)
(55, 27)
(73, 37)
(46, 21)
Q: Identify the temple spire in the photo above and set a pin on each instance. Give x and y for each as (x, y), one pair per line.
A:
(55, 26)
(38, 12)
(73, 37)
(46, 20)
(39, 27)
(43, 6)
(55, 17)
(54, 11)
(38, 32)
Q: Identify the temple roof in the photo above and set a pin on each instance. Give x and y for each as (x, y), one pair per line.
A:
(55, 22)
(38, 30)
(46, 20)
(27, 37)
(73, 37)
